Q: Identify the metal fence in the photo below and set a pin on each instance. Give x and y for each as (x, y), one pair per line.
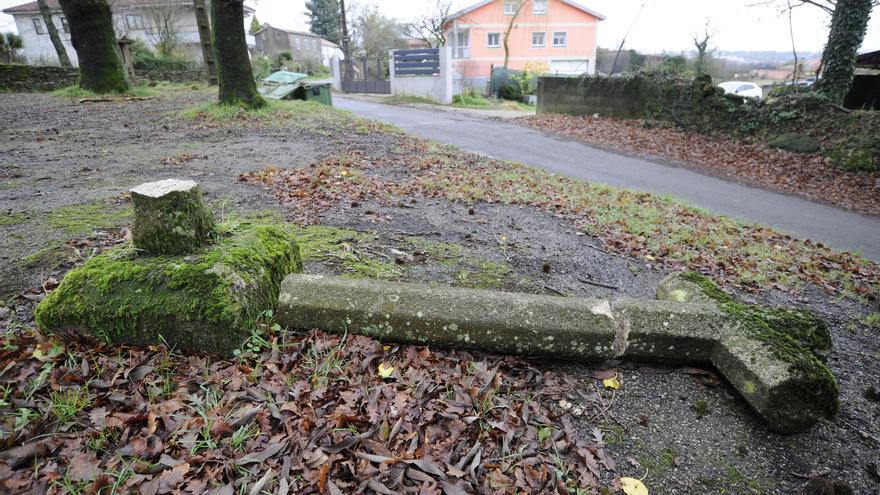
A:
(422, 62)
(375, 86)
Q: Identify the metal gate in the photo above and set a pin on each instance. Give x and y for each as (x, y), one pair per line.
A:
(367, 76)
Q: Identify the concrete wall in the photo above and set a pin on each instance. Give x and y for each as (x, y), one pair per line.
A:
(28, 78)
(439, 88)
(613, 97)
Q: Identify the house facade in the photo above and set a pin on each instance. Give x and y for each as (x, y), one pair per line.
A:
(560, 35)
(304, 47)
(134, 19)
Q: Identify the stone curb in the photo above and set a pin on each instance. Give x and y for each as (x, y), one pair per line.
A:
(586, 330)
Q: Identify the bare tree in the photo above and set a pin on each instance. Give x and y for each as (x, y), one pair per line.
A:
(701, 43)
(510, 26)
(163, 17)
(429, 27)
(63, 59)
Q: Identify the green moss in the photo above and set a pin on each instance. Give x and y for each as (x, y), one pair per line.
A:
(207, 301)
(701, 407)
(661, 464)
(10, 219)
(52, 254)
(797, 338)
(443, 252)
(797, 143)
(341, 247)
(176, 223)
(83, 218)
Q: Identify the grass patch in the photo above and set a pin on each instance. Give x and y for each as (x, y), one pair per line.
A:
(307, 115)
(343, 249)
(408, 100)
(651, 227)
(83, 218)
(10, 219)
(67, 404)
(51, 255)
(483, 103)
(77, 93)
(872, 321)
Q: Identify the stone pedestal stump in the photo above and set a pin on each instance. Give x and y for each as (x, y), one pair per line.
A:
(181, 286)
(170, 217)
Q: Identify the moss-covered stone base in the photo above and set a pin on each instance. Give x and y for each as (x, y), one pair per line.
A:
(207, 301)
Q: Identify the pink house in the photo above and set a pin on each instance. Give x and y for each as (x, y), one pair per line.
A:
(558, 34)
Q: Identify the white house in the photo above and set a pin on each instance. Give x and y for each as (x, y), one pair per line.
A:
(329, 50)
(134, 19)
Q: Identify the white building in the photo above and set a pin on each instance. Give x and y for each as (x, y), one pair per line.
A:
(329, 50)
(135, 19)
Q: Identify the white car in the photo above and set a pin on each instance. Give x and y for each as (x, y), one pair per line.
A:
(747, 89)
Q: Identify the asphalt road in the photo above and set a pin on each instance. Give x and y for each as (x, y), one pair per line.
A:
(799, 217)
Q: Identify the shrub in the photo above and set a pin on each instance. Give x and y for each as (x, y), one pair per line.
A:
(795, 142)
(510, 92)
(142, 57)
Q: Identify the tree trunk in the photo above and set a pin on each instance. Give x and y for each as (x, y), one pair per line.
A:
(91, 32)
(53, 34)
(849, 23)
(236, 78)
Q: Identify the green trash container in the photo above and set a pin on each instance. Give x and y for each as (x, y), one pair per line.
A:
(319, 93)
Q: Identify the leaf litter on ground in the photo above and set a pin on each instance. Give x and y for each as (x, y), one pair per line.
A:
(309, 413)
(806, 175)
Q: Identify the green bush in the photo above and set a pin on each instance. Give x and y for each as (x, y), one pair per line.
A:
(142, 57)
(510, 92)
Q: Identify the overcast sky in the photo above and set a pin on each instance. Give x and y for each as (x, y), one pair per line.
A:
(664, 25)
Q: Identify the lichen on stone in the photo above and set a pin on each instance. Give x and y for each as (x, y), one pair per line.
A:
(795, 337)
(205, 301)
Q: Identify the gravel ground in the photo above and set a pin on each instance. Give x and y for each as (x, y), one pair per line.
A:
(685, 429)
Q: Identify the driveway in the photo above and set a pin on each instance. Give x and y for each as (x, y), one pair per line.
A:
(799, 217)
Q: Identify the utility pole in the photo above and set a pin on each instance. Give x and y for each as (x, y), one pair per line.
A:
(346, 43)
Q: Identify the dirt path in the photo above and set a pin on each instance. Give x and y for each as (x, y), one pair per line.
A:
(689, 432)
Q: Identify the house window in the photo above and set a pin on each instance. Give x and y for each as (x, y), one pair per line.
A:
(461, 44)
(493, 40)
(134, 21)
(539, 7)
(38, 25)
(560, 40)
(296, 44)
(64, 26)
(537, 40)
(510, 6)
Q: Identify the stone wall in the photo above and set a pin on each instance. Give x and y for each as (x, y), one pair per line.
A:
(23, 78)
(26, 78)
(175, 76)
(688, 103)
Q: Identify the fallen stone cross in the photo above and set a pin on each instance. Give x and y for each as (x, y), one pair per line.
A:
(183, 280)
(772, 357)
